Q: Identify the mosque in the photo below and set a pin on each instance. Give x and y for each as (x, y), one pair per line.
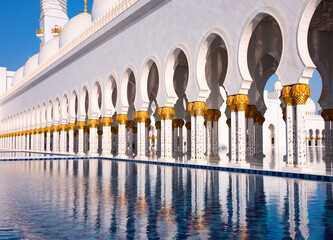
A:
(167, 78)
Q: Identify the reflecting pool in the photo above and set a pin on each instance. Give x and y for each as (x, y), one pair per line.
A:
(80, 199)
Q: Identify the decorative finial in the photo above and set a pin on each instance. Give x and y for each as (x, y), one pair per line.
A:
(85, 6)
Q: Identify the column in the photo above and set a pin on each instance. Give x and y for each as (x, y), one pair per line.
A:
(71, 127)
(241, 102)
(56, 147)
(228, 122)
(209, 121)
(147, 126)
(251, 112)
(28, 139)
(200, 109)
(158, 129)
(86, 139)
(193, 130)
(256, 140)
(300, 94)
(260, 135)
(63, 138)
(80, 126)
(160, 113)
(328, 144)
(48, 139)
(215, 137)
(286, 95)
(42, 139)
(180, 141)
(93, 137)
(166, 114)
(107, 137)
(130, 125)
(175, 137)
(233, 125)
(122, 120)
(188, 141)
(141, 118)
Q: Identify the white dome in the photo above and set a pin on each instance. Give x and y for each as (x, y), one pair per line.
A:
(310, 107)
(277, 86)
(73, 28)
(18, 76)
(100, 7)
(48, 50)
(31, 65)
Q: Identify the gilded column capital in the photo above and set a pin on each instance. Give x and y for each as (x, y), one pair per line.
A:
(209, 115)
(122, 119)
(106, 121)
(160, 113)
(200, 108)
(48, 129)
(188, 125)
(284, 114)
(286, 95)
(42, 130)
(241, 101)
(228, 122)
(71, 126)
(86, 129)
(174, 123)
(158, 125)
(216, 115)
(63, 128)
(80, 125)
(131, 124)
(55, 128)
(135, 130)
(147, 123)
(190, 109)
(231, 103)
(141, 116)
(100, 132)
(330, 114)
(180, 123)
(326, 115)
(300, 93)
(168, 113)
(113, 129)
(261, 120)
(93, 123)
(251, 111)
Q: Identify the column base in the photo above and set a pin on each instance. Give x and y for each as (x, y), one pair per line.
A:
(94, 154)
(239, 164)
(80, 154)
(164, 159)
(197, 161)
(141, 157)
(296, 169)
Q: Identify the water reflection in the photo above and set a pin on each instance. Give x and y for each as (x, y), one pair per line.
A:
(89, 198)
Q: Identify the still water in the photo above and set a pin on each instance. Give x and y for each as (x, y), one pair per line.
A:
(85, 199)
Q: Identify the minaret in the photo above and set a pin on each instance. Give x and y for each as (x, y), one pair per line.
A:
(53, 17)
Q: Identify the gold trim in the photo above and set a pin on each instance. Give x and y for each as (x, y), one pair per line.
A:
(231, 104)
(241, 101)
(300, 93)
(93, 123)
(122, 119)
(158, 125)
(80, 125)
(71, 126)
(200, 108)
(63, 128)
(141, 116)
(106, 121)
(286, 95)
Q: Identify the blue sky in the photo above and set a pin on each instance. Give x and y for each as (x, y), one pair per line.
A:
(19, 20)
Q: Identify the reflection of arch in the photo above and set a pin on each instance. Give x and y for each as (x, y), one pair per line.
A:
(272, 133)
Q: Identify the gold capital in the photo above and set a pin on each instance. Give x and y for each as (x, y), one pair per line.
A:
(200, 108)
(71, 126)
(209, 115)
(141, 116)
(93, 123)
(106, 121)
(130, 124)
(63, 128)
(122, 119)
(80, 125)
(158, 124)
(300, 93)
(147, 123)
(229, 122)
(286, 95)
(241, 101)
(190, 109)
(231, 103)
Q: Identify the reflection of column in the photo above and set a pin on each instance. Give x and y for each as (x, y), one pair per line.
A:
(286, 95)
(300, 94)
(122, 120)
(141, 118)
(233, 124)
(209, 119)
(158, 129)
(71, 127)
(107, 138)
(80, 126)
(63, 137)
(93, 137)
(241, 102)
(200, 109)
(130, 125)
(215, 138)
(55, 139)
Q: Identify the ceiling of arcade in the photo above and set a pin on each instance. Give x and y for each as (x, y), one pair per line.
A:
(323, 17)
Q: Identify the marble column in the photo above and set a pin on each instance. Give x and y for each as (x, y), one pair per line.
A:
(56, 147)
(241, 101)
(215, 137)
(228, 122)
(48, 138)
(130, 125)
(42, 139)
(286, 95)
(209, 128)
(71, 147)
(122, 140)
(200, 109)
(80, 126)
(175, 137)
(300, 94)
(107, 136)
(166, 114)
(180, 141)
(188, 140)
(28, 140)
(233, 129)
(63, 138)
(141, 118)
(326, 114)
(193, 130)
(93, 137)
(250, 115)
(135, 140)
(158, 129)
(147, 147)
(86, 139)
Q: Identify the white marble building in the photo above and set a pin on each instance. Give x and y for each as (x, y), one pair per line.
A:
(101, 79)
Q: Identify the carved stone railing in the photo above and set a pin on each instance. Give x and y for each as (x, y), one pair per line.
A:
(93, 28)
